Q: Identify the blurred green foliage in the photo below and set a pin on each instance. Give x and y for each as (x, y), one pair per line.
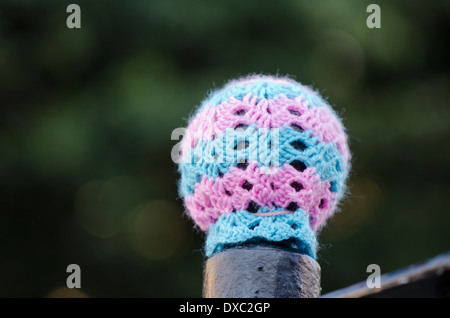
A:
(86, 117)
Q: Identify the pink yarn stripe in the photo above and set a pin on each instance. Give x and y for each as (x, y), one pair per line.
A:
(272, 113)
(212, 198)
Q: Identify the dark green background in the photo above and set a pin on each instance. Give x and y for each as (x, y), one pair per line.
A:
(86, 118)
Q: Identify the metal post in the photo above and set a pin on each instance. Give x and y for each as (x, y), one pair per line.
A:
(424, 280)
(261, 272)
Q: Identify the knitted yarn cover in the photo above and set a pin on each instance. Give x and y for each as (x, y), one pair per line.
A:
(263, 159)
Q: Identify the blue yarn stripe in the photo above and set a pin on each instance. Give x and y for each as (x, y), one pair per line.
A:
(323, 156)
(241, 226)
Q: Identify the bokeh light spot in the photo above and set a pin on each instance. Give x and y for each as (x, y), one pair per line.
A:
(157, 231)
(365, 202)
(102, 207)
(338, 59)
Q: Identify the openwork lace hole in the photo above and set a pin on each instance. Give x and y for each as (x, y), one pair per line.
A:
(299, 145)
(252, 207)
(241, 126)
(297, 128)
(297, 186)
(298, 165)
(242, 165)
(240, 112)
(333, 186)
(322, 203)
(294, 112)
(292, 207)
(241, 145)
(247, 185)
(253, 226)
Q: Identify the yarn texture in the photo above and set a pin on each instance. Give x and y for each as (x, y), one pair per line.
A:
(264, 159)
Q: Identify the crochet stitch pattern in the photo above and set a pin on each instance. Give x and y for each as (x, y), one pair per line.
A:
(264, 159)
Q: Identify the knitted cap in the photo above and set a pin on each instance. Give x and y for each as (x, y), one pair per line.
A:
(264, 159)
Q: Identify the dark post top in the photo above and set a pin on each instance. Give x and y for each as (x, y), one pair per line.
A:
(261, 272)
